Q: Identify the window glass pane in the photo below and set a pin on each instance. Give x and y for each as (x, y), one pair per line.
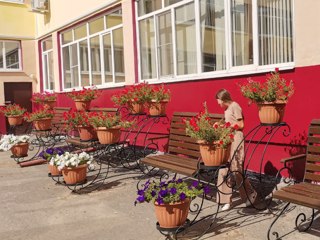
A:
(213, 44)
(51, 72)
(147, 49)
(67, 37)
(84, 63)
(275, 43)
(96, 25)
(95, 61)
(165, 44)
(107, 53)
(118, 55)
(169, 2)
(12, 55)
(1, 55)
(186, 40)
(148, 6)
(47, 44)
(45, 71)
(241, 25)
(80, 32)
(70, 66)
(114, 19)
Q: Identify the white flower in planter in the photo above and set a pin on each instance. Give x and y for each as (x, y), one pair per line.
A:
(71, 160)
(8, 141)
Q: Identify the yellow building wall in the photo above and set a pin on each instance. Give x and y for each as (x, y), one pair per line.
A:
(17, 21)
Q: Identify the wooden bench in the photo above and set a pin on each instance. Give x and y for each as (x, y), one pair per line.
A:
(58, 122)
(183, 151)
(306, 193)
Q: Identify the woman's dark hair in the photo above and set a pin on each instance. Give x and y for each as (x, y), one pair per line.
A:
(223, 95)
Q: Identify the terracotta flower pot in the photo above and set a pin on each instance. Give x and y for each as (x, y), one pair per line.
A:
(49, 104)
(75, 175)
(214, 156)
(157, 108)
(42, 124)
(271, 113)
(136, 108)
(82, 105)
(108, 135)
(172, 215)
(53, 170)
(15, 120)
(20, 149)
(87, 133)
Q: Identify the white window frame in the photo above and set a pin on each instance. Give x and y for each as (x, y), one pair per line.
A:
(3, 50)
(230, 70)
(43, 54)
(88, 37)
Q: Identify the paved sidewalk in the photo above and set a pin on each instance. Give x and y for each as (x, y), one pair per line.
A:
(33, 207)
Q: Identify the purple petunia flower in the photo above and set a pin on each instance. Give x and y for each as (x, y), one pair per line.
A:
(141, 199)
(179, 180)
(182, 196)
(50, 151)
(206, 189)
(153, 193)
(163, 193)
(140, 192)
(173, 191)
(195, 183)
(159, 200)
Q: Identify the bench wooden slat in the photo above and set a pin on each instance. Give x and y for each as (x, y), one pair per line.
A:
(313, 139)
(313, 158)
(311, 176)
(193, 146)
(312, 167)
(314, 129)
(181, 132)
(297, 199)
(187, 161)
(179, 162)
(186, 152)
(182, 138)
(313, 149)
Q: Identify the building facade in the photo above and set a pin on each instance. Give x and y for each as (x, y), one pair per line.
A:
(195, 46)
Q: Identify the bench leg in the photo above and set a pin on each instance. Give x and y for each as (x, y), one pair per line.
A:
(302, 218)
(276, 234)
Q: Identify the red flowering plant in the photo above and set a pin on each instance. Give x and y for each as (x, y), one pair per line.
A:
(274, 89)
(86, 94)
(43, 97)
(107, 120)
(77, 118)
(12, 110)
(204, 129)
(140, 93)
(159, 94)
(41, 113)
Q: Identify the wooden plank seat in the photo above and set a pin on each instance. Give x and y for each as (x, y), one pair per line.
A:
(183, 151)
(306, 193)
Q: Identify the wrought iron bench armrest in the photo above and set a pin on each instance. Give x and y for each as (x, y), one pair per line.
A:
(293, 158)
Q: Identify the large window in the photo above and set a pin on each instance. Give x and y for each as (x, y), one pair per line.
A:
(204, 38)
(92, 53)
(47, 64)
(10, 56)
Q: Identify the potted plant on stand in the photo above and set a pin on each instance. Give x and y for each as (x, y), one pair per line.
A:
(214, 138)
(19, 145)
(14, 113)
(134, 97)
(73, 166)
(171, 200)
(41, 118)
(47, 99)
(271, 96)
(80, 122)
(84, 97)
(159, 100)
(48, 154)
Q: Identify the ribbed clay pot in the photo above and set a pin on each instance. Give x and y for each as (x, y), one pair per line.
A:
(15, 120)
(49, 104)
(108, 135)
(271, 113)
(214, 156)
(20, 149)
(87, 133)
(42, 124)
(136, 108)
(157, 108)
(82, 105)
(172, 215)
(75, 175)
(54, 171)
